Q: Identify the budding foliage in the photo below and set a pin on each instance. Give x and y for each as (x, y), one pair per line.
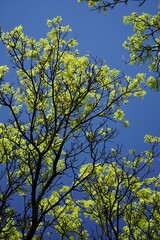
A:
(144, 44)
(50, 132)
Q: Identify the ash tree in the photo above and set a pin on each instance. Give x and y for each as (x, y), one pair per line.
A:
(122, 196)
(121, 200)
(105, 5)
(60, 110)
(144, 45)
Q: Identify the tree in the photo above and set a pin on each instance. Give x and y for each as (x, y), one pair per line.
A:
(144, 44)
(104, 5)
(56, 155)
(121, 201)
(61, 112)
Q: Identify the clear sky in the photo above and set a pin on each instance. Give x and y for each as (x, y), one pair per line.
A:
(101, 35)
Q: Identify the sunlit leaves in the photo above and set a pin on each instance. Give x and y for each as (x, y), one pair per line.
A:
(104, 5)
(90, 2)
(117, 195)
(144, 44)
(119, 114)
(3, 71)
(51, 133)
(151, 139)
(13, 233)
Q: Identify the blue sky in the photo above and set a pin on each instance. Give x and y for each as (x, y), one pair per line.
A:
(101, 35)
